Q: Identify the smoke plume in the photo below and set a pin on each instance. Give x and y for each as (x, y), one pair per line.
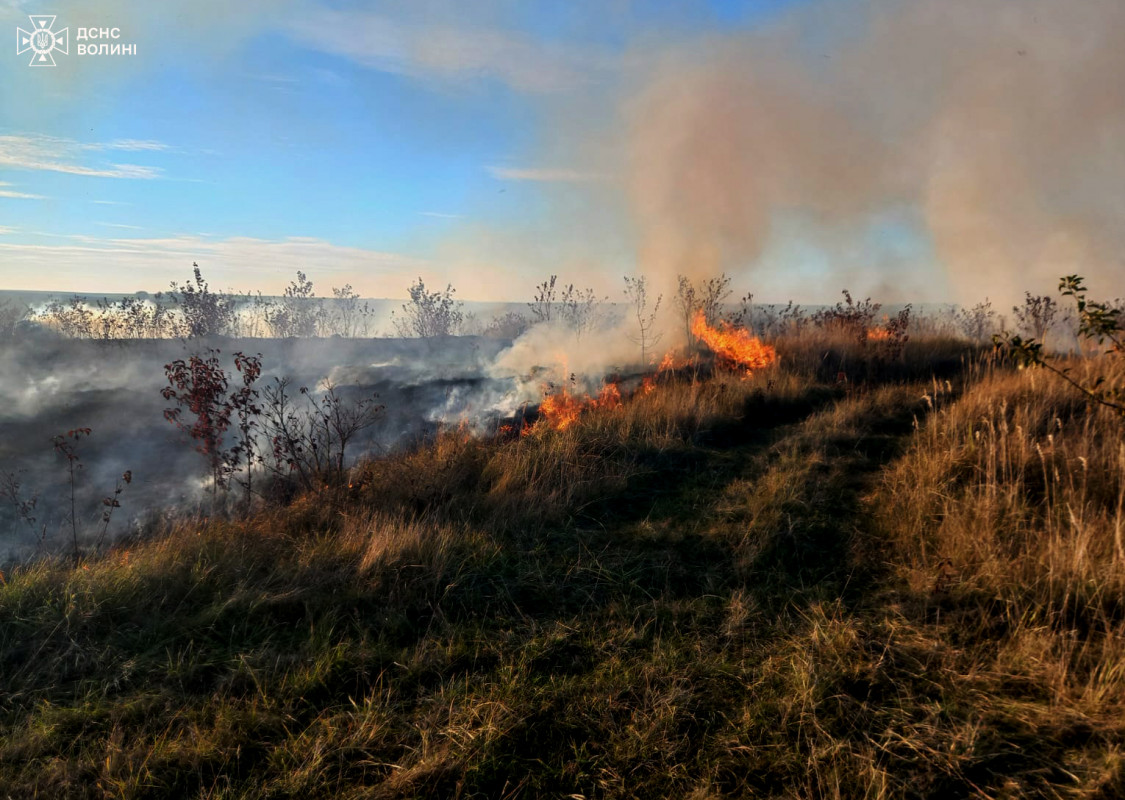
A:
(998, 123)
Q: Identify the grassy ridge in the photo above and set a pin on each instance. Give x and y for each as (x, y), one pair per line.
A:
(725, 588)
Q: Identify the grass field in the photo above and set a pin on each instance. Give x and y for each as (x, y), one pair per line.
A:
(908, 583)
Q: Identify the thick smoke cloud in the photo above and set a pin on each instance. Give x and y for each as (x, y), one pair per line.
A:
(998, 121)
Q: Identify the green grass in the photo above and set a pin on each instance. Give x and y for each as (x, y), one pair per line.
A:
(719, 590)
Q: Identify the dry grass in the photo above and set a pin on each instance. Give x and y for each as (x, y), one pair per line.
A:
(1007, 516)
(790, 587)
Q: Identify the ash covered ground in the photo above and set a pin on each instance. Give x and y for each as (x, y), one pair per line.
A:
(49, 386)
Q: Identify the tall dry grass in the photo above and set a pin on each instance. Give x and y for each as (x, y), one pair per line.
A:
(1008, 515)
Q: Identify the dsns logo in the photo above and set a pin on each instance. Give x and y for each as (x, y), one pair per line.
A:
(41, 40)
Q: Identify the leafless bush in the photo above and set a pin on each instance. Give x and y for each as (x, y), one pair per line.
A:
(636, 292)
(1035, 317)
(579, 309)
(135, 318)
(308, 442)
(506, 326)
(707, 297)
(977, 323)
(11, 315)
(205, 313)
(851, 318)
(298, 313)
(347, 316)
(543, 306)
(429, 314)
(73, 319)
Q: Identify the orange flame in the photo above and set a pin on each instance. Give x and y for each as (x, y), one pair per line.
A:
(671, 361)
(734, 346)
(562, 409)
(608, 397)
(879, 335)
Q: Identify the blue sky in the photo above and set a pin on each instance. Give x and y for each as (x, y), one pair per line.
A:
(363, 143)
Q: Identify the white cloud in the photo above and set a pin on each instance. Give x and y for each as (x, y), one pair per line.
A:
(6, 192)
(54, 154)
(448, 52)
(128, 144)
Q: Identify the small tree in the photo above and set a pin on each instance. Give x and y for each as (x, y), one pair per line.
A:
(199, 385)
(636, 292)
(708, 297)
(349, 317)
(430, 314)
(687, 303)
(243, 402)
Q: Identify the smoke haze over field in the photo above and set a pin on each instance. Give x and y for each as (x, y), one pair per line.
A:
(49, 386)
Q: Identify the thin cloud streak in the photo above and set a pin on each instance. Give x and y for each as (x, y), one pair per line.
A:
(151, 263)
(53, 154)
(543, 174)
(447, 52)
(6, 192)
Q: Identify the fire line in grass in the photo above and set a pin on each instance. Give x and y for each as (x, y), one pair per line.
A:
(733, 347)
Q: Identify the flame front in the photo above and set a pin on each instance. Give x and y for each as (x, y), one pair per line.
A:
(734, 346)
(562, 409)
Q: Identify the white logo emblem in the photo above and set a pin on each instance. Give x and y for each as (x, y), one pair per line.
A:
(41, 40)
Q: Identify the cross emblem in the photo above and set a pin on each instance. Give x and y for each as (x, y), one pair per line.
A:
(41, 40)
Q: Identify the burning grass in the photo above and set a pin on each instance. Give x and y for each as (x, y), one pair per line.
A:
(734, 347)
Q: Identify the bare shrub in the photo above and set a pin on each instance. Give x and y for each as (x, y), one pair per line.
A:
(509, 325)
(1035, 317)
(205, 313)
(11, 315)
(636, 292)
(850, 318)
(308, 442)
(298, 313)
(977, 323)
(429, 314)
